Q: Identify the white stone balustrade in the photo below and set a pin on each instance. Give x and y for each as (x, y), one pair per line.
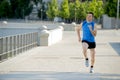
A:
(13, 45)
(49, 37)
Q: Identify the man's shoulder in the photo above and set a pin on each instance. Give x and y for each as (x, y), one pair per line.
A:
(93, 23)
(84, 22)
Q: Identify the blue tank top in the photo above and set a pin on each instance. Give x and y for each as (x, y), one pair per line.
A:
(87, 35)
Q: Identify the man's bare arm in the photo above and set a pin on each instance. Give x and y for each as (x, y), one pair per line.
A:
(94, 32)
(78, 29)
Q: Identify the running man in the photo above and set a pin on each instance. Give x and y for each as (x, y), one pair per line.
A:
(88, 39)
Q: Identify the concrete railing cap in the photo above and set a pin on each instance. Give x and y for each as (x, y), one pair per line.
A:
(4, 22)
(45, 32)
(61, 27)
(43, 27)
(73, 23)
(62, 23)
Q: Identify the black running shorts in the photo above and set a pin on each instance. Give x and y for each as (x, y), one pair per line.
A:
(91, 45)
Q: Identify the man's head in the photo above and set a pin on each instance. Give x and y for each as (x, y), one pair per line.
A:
(89, 16)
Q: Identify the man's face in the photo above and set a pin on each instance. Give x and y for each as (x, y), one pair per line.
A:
(89, 17)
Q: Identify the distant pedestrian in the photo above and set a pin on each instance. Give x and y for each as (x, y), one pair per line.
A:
(88, 39)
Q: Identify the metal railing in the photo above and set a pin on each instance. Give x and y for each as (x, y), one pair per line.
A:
(13, 45)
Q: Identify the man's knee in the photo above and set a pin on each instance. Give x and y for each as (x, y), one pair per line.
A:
(85, 45)
(92, 51)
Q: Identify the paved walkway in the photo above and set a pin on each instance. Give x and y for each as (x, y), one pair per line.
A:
(64, 60)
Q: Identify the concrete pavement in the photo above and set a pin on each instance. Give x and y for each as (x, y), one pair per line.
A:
(64, 60)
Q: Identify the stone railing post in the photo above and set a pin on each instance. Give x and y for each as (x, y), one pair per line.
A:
(44, 38)
(41, 31)
(48, 37)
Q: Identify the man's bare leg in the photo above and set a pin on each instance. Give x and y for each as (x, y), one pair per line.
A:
(85, 47)
(92, 53)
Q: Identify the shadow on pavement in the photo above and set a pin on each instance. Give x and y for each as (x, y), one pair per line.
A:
(58, 76)
(116, 46)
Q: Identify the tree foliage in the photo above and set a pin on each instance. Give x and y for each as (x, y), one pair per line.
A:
(42, 10)
(5, 9)
(72, 10)
(79, 10)
(96, 7)
(15, 8)
(64, 10)
(52, 9)
(49, 11)
(111, 8)
(67, 10)
(21, 8)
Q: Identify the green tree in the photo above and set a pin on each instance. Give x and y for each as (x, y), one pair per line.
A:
(55, 7)
(49, 11)
(42, 11)
(64, 11)
(96, 7)
(83, 11)
(100, 9)
(52, 10)
(5, 9)
(14, 5)
(79, 10)
(72, 10)
(20, 8)
(111, 8)
(1, 1)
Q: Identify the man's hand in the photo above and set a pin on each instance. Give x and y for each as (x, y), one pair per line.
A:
(92, 31)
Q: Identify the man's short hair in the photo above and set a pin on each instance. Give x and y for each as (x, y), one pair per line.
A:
(91, 13)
